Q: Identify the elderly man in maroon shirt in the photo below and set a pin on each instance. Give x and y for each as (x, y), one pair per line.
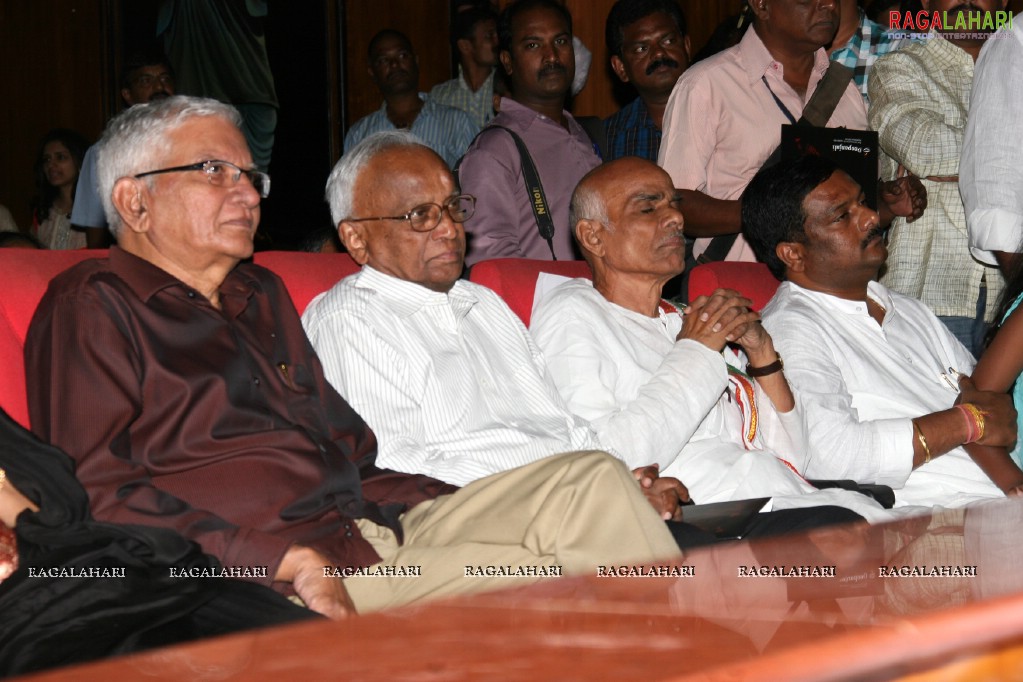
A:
(182, 384)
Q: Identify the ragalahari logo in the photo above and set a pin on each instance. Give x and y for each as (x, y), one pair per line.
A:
(924, 21)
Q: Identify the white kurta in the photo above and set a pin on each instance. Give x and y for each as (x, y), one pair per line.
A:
(653, 399)
(860, 384)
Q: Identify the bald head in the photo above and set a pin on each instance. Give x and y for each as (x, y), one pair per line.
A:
(627, 210)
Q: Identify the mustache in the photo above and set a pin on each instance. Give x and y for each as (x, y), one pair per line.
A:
(553, 67)
(876, 232)
(675, 234)
(664, 61)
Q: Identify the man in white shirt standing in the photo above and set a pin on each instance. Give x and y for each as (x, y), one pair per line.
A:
(876, 373)
(991, 168)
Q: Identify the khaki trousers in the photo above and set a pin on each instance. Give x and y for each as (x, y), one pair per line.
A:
(577, 510)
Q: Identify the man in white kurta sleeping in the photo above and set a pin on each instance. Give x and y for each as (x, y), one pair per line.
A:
(652, 380)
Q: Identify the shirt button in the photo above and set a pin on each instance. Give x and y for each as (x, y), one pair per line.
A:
(322, 449)
(256, 381)
(349, 534)
(191, 294)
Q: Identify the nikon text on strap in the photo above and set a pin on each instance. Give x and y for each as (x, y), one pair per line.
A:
(537, 198)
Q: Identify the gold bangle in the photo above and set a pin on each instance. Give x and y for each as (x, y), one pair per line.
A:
(3, 479)
(978, 418)
(923, 441)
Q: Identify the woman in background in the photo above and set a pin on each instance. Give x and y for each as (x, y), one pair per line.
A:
(56, 172)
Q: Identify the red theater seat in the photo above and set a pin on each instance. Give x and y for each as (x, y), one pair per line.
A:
(514, 279)
(752, 280)
(25, 275)
(307, 274)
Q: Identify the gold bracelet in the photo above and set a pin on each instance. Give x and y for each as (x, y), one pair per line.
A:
(978, 418)
(923, 442)
(3, 479)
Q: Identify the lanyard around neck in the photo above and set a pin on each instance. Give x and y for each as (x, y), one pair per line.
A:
(784, 109)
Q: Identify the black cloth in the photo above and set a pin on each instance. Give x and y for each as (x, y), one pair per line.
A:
(766, 525)
(51, 621)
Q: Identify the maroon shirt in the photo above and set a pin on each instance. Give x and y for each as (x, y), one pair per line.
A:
(216, 423)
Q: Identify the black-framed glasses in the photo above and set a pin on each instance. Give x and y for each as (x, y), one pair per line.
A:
(425, 217)
(221, 174)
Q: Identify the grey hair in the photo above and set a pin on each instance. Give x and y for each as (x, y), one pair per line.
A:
(588, 204)
(137, 139)
(340, 191)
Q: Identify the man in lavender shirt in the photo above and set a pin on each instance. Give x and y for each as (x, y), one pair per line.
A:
(536, 52)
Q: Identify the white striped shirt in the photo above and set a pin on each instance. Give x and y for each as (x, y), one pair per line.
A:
(452, 384)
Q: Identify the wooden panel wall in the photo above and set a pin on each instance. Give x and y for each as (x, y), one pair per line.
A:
(51, 75)
(58, 57)
(425, 22)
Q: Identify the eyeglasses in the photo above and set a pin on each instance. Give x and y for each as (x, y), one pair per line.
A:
(221, 174)
(425, 217)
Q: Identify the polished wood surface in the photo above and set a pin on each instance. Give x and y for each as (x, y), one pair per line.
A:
(717, 624)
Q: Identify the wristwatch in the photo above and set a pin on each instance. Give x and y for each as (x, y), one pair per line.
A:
(775, 366)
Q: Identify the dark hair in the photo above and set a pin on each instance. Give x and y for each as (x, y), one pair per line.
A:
(320, 237)
(464, 23)
(10, 240)
(152, 56)
(507, 17)
(46, 193)
(772, 205)
(624, 13)
(386, 33)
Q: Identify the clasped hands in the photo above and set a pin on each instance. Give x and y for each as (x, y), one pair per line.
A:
(666, 495)
(725, 317)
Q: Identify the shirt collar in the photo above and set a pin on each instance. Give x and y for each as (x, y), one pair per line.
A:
(875, 290)
(855, 46)
(422, 96)
(146, 279)
(758, 61)
(465, 85)
(406, 298)
(527, 116)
